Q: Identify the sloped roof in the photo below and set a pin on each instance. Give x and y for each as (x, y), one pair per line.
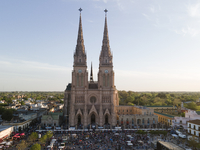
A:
(54, 116)
(167, 115)
(160, 106)
(197, 121)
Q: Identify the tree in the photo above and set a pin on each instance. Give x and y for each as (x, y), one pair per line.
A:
(49, 134)
(33, 136)
(9, 101)
(176, 102)
(7, 115)
(22, 145)
(183, 114)
(22, 103)
(43, 139)
(191, 105)
(144, 99)
(131, 104)
(2, 109)
(193, 143)
(36, 147)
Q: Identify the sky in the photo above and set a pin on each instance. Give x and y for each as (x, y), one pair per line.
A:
(155, 44)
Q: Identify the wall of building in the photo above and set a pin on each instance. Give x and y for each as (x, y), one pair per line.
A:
(164, 118)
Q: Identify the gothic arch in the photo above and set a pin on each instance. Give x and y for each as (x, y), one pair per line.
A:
(79, 117)
(93, 114)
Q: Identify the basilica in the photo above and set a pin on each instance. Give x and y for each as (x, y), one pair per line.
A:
(91, 102)
(96, 103)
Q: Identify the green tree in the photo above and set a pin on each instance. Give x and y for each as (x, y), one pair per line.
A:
(22, 145)
(43, 139)
(131, 104)
(144, 99)
(2, 109)
(176, 102)
(7, 115)
(33, 136)
(36, 147)
(191, 105)
(22, 103)
(49, 134)
(9, 101)
(183, 114)
(192, 142)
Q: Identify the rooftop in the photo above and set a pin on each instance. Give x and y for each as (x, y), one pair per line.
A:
(170, 145)
(197, 121)
(160, 106)
(4, 127)
(170, 116)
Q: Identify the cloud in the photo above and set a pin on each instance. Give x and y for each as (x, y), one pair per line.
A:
(152, 9)
(32, 75)
(183, 19)
(146, 16)
(193, 10)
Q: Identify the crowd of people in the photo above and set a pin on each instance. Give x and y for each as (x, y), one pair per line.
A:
(103, 140)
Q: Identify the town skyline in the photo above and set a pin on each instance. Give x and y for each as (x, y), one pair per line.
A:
(155, 48)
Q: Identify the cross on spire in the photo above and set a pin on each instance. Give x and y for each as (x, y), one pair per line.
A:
(105, 11)
(80, 9)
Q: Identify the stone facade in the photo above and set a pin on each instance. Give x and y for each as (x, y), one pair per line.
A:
(164, 118)
(165, 109)
(91, 102)
(135, 116)
(51, 119)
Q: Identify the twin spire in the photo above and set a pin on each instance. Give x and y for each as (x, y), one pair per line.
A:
(80, 54)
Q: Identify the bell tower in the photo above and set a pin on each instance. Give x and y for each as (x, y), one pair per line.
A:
(79, 74)
(106, 73)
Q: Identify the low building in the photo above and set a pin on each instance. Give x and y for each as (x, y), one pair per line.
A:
(21, 120)
(51, 119)
(193, 127)
(137, 120)
(132, 110)
(5, 131)
(182, 121)
(165, 119)
(162, 145)
(136, 116)
(165, 109)
(38, 106)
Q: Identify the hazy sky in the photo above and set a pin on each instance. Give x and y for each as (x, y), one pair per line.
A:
(155, 43)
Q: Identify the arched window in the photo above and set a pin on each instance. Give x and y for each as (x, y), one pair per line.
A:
(81, 80)
(104, 80)
(108, 80)
(77, 79)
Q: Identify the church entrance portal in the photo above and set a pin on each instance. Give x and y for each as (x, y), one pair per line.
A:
(79, 119)
(92, 119)
(106, 119)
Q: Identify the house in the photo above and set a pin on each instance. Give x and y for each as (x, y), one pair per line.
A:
(193, 127)
(51, 119)
(182, 121)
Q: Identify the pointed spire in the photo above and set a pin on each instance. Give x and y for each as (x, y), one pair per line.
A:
(80, 55)
(91, 73)
(105, 35)
(105, 56)
(80, 41)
